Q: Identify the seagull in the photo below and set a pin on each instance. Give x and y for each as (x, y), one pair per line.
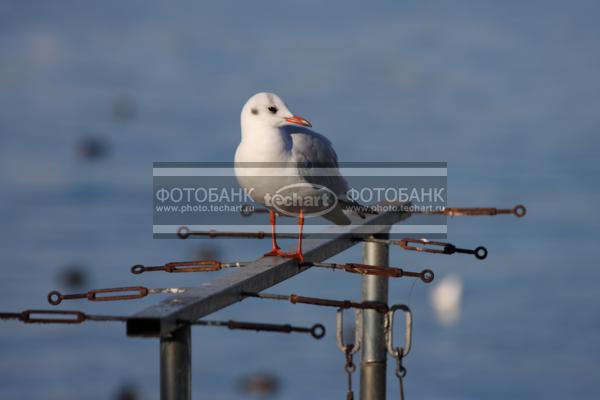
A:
(446, 299)
(273, 136)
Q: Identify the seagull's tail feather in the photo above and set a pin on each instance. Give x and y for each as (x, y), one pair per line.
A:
(337, 216)
(357, 208)
(345, 207)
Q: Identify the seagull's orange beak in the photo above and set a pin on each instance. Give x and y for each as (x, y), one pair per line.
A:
(295, 119)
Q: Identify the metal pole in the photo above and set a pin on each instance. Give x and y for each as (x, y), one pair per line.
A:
(373, 358)
(176, 365)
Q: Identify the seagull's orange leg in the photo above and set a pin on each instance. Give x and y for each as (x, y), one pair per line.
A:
(275, 250)
(299, 255)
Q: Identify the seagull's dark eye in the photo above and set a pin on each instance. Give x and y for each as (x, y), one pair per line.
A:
(273, 109)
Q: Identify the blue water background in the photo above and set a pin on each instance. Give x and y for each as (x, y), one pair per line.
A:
(506, 92)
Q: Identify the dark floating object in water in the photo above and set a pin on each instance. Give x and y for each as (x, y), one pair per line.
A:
(123, 108)
(127, 392)
(73, 277)
(93, 148)
(207, 251)
(259, 384)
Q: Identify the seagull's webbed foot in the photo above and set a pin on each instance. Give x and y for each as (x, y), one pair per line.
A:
(280, 253)
(276, 250)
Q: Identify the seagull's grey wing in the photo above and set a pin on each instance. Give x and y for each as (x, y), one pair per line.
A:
(313, 152)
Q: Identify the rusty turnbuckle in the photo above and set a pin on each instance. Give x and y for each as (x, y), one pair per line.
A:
(518, 211)
(184, 232)
(430, 246)
(425, 275)
(186, 266)
(131, 293)
(316, 301)
(58, 317)
(317, 331)
(77, 317)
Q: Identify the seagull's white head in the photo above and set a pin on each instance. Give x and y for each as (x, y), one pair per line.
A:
(268, 110)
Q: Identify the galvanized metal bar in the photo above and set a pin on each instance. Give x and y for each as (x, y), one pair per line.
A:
(373, 356)
(176, 365)
(195, 303)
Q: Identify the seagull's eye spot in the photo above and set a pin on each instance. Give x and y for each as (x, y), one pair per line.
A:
(254, 111)
(273, 109)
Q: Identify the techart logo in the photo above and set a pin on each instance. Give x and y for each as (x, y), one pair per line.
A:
(314, 200)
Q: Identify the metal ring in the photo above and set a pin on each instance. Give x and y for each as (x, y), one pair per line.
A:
(520, 211)
(317, 331)
(183, 232)
(401, 373)
(137, 269)
(427, 275)
(358, 331)
(390, 329)
(350, 368)
(55, 297)
(481, 253)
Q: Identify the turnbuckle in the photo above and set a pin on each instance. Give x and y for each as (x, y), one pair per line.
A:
(446, 248)
(317, 331)
(316, 301)
(55, 297)
(77, 317)
(58, 317)
(185, 266)
(426, 275)
(184, 232)
(519, 211)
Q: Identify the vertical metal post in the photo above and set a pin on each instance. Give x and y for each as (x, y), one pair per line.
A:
(176, 365)
(373, 359)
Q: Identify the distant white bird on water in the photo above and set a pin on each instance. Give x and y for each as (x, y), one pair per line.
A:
(272, 134)
(446, 299)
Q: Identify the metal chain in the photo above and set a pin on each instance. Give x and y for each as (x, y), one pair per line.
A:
(400, 370)
(350, 368)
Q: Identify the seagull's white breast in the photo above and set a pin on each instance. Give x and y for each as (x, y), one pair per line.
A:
(267, 150)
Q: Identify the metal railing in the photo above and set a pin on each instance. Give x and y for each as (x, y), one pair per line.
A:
(171, 319)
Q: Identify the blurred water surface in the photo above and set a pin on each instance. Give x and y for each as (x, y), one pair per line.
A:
(506, 92)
